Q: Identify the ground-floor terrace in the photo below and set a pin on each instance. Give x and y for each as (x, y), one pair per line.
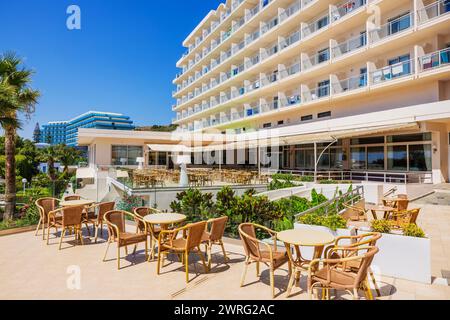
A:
(29, 269)
(401, 145)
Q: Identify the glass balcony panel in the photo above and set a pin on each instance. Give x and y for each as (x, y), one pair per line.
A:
(434, 10)
(392, 72)
(435, 60)
(350, 45)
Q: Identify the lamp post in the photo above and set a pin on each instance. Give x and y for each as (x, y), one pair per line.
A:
(24, 183)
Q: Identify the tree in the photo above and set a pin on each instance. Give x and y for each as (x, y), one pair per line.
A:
(68, 156)
(16, 96)
(50, 156)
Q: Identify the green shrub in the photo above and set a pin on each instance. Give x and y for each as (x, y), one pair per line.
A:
(332, 221)
(412, 230)
(382, 226)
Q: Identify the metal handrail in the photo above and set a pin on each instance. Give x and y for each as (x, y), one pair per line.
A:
(352, 195)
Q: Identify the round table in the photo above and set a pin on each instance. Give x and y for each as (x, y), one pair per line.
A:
(380, 208)
(303, 238)
(76, 203)
(164, 219)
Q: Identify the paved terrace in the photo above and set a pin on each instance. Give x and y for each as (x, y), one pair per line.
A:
(31, 270)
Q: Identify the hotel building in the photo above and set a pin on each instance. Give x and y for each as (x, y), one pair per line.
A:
(66, 132)
(364, 84)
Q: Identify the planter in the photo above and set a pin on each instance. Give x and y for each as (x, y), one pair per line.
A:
(399, 257)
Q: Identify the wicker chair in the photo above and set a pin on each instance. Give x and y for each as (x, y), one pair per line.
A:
(214, 237)
(368, 239)
(71, 218)
(331, 273)
(404, 217)
(190, 242)
(72, 197)
(97, 219)
(115, 221)
(152, 230)
(45, 205)
(270, 256)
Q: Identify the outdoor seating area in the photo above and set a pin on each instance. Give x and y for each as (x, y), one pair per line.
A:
(394, 210)
(198, 177)
(338, 267)
(337, 263)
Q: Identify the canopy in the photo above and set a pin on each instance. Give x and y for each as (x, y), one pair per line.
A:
(175, 148)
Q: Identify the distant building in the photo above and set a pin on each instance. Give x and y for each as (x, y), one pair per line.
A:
(37, 133)
(67, 131)
(54, 132)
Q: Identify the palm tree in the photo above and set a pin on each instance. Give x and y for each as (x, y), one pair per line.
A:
(68, 156)
(50, 155)
(16, 97)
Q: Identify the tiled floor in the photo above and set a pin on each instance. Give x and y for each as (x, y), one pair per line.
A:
(31, 270)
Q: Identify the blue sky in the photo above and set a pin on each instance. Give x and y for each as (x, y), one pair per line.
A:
(122, 60)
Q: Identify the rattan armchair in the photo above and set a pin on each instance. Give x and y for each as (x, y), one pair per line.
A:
(71, 218)
(45, 205)
(404, 217)
(269, 256)
(152, 230)
(190, 242)
(331, 273)
(97, 218)
(364, 240)
(214, 236)
(115, 221)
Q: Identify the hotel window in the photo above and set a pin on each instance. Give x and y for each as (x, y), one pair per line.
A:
(307, 118)
(324, 115)
(323, 55)
(358, 156)
(267, 125)
(126, 155)
(399, 23)
(323, 88)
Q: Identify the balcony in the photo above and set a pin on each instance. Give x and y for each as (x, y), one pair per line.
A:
(317, 93)
(435, 60)
(349, 46)
(317, 59)
(392, 72)
(346, 8)
(349, 84)
(391, 28)
(315, 26)
(433, 11)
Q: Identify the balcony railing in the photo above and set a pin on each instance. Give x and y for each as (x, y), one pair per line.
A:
(346, 8)
(393, 27)
(352, 83)
(435, 60)
(433, 10)
(392, 72)
(316, 93)
(350, 45)
(316, 59)
(315, 26)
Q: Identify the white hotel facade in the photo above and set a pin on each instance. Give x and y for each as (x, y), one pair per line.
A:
(373, 76)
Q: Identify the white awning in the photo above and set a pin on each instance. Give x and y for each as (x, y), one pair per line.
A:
(175, 148)
(319, 137)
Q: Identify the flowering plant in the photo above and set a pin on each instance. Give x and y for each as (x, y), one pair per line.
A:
(129, 203)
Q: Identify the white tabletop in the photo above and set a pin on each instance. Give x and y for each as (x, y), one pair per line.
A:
(75, 203)
(306, 238)
(164, 218)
